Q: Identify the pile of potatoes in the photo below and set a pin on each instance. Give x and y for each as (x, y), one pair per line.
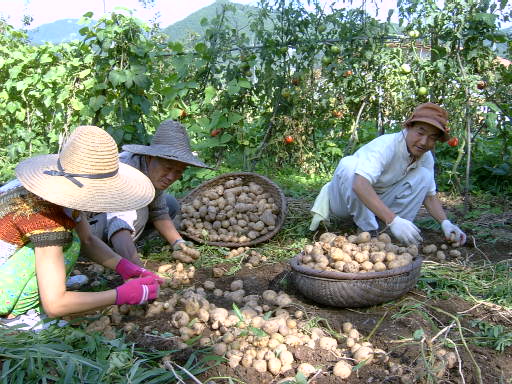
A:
(252, 258)
(230, 212)
(176, 275)
(356, 254)
(432, 251)
(260, 334)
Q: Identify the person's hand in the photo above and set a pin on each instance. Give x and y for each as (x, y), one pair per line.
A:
(405, 231)
(184, 251)
(452, 233)
(128, 270)
(137, 291)
(181, 244)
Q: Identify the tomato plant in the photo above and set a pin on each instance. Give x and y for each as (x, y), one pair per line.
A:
(453, 142)
(288, 139)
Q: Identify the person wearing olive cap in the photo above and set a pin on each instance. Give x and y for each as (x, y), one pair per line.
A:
(389, 179)
(163, 162)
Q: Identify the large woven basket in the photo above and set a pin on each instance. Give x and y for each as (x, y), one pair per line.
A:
(341, 289)
(267, 185)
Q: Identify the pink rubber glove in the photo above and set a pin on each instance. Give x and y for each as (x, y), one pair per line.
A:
(137, 291)
(128, 270)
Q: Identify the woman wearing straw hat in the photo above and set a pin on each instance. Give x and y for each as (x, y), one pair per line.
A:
(390, 178)
(41, 210)
(163, 162)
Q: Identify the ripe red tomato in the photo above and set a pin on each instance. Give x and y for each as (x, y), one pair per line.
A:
(215, 132)
(347, 73)
(288, 139)
(183, 113)
(453, 142)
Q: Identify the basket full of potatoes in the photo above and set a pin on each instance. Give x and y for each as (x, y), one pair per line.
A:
(233, 210)
(355, 271)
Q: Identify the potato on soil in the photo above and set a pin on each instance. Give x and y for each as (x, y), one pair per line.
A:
(342, 369)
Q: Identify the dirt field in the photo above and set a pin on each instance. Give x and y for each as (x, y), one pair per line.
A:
(390, 327)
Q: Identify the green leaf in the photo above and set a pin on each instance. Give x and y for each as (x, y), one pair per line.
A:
(96, 102)
(209, 94)
(76, 104)
(84, 73)
(117, 77)
(237, 312)
(300, 378)
(418, 334)
(244, 83)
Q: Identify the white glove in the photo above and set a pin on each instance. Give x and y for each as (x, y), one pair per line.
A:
(453, 233)
(405, 231)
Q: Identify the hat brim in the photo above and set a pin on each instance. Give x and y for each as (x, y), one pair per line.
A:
(166, 152)
(432, 122)
(129, 189)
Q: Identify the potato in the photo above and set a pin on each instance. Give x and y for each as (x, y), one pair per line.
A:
(274, 366)
(428, 249)
(327, 237)
(361, 257)
(379, 266)
(342, 369)
(364, 354)
(384, 237)
(327, 343)
(347, 327)
(351, 267)
(363, 237)
(454, 253)
(306, 369)
(376, 257)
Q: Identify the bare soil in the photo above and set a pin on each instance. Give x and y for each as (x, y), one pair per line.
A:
(388, 326)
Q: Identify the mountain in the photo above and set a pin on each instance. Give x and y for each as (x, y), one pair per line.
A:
(191, 25)
(57, 32)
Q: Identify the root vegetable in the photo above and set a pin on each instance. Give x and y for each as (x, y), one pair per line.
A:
(351, 267)
(180, 319)
(327, 343)
(306, 369)
(283, 300)
(327, 237)
(364, 237)
(428, 249)
(260, 365)
(269, 296)
(347, 327)
(342, 369)
(379, 266)
(209, 285)
(218, 292)
(234, 361)
(454, 253)
(220, 349)
(354, 334)
(286, 357)
(274, 366)
(350, 342)
(440, 256)
(364, 354)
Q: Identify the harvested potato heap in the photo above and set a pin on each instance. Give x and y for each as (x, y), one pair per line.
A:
(432, 251)
(249, 335)
(176, 275)
(356, 254)
(230, 212)
(252, 258)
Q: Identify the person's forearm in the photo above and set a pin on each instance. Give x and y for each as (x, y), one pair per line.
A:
(435, 208)
(365, 192)
(69, 302)
(122, 242)
(167, 229)
(99, 252)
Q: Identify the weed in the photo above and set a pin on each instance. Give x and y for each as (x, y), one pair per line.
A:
(493, 336)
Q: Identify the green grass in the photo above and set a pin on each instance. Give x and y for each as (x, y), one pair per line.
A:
(70, 355)
(490, 283)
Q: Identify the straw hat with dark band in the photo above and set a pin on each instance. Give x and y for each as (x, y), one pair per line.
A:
(432, 114)
(86, 175)
(169, 142)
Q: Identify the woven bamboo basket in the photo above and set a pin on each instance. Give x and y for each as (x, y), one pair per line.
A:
(348, 290)
(267, 185)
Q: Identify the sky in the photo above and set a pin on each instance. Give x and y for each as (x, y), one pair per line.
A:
(170, 11)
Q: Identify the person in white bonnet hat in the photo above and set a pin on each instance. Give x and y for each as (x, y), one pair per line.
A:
(43, 227)
(164, 162)
(389, 179)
